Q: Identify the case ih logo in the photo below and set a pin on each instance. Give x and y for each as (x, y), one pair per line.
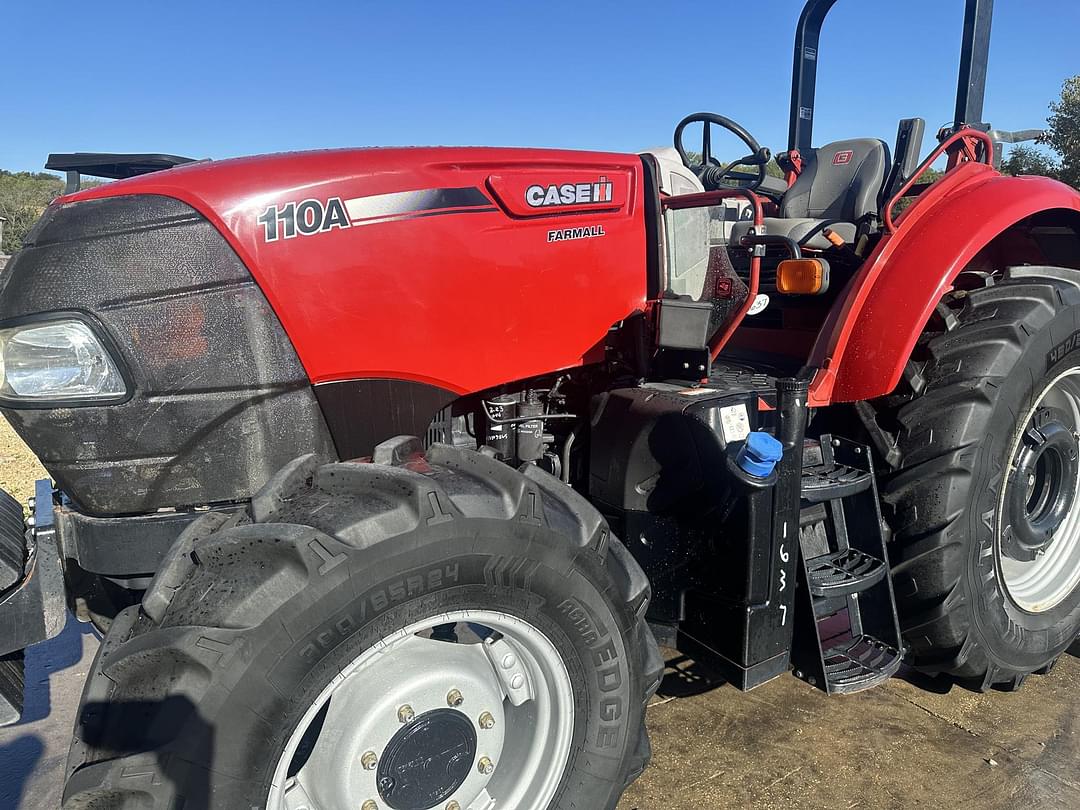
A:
(840, 158)
(569, 194)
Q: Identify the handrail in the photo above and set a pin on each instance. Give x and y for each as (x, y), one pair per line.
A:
(700, 198)
(965, 137)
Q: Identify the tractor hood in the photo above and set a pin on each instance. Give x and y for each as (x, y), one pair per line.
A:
(255, 310)
(462, 268)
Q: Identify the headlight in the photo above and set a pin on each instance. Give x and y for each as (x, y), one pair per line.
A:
(56, 360)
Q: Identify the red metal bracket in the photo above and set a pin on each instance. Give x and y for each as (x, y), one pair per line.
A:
(961, 148)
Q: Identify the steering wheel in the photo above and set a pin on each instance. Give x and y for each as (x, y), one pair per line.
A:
(709, 170)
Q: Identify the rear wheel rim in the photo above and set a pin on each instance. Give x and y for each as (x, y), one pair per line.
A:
(415, 723)
(1039, 585)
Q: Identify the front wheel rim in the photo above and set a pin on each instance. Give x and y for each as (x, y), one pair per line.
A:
(415, 722)
(1039, 585)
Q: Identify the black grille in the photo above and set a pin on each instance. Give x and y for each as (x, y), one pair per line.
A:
(221, 399)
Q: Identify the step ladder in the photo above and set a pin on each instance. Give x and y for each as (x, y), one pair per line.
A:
(847, 637)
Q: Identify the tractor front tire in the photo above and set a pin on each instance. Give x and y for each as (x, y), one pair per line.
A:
(425, 631)
(984, 504)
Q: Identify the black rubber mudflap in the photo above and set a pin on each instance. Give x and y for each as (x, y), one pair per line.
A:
(12, 680)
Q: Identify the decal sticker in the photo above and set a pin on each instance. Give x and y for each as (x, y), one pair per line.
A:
(303, 219)
(760, 302)
(423, 202)
(842, 157)
(569, 194)
(586, 232)
(735, 423)
(312, 216)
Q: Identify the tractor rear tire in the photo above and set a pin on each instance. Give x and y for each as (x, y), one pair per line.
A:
(208, 694)
(980, 377)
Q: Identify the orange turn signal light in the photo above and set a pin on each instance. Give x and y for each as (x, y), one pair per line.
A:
(802, 277)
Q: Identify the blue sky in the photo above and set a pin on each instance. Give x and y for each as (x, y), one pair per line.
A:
(217, 79)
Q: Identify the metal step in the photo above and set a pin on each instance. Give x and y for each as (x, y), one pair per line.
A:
(847, 637)
(859, 663)
(826, 482)
(843, 572)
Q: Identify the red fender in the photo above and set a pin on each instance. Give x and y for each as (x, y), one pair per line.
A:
(868, 338)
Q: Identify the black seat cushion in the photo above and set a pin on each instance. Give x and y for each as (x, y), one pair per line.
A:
(839, 186)
(841, 180)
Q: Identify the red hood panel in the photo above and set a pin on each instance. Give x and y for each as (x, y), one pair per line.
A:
(460, 267)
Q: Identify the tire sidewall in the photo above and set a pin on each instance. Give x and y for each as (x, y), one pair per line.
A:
(1017, 639)
(347, 608)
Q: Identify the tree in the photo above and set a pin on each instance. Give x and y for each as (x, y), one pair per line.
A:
(23, 196)
(1062, 137)
(1064, 131)
(19, 222)
(1026, 160)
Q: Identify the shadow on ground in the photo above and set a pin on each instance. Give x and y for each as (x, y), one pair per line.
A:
(34, 751)
(685, 677)
(19, 757)
(45, 661)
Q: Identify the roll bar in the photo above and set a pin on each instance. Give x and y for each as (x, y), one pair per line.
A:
(970, 86)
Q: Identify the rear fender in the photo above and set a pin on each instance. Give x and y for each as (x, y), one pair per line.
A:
(870, 334)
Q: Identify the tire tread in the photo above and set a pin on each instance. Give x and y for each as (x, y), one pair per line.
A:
(170, 646)
(952, 390)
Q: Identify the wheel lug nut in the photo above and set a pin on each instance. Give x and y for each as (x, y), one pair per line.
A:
(485, 766)
(453, 806)
(487, 721)
(454, 698)
(405, 714)
(369, 805)
(369, 760)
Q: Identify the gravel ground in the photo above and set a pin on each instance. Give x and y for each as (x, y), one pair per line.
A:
(908, 743)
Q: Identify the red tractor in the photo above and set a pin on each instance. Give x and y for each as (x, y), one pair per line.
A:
(386, 469)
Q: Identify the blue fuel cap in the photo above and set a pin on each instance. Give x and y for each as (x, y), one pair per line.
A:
(759, 454)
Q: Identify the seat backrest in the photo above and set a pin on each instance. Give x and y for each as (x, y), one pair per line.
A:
(841, 180)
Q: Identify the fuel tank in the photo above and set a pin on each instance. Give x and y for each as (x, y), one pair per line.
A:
(461, 268)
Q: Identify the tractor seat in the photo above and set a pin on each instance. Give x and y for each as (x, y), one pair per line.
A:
(839, 188)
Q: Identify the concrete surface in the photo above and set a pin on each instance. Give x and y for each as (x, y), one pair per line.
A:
(33, 753)
(783, 745)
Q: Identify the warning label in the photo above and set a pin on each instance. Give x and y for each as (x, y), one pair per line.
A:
(735, 423)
